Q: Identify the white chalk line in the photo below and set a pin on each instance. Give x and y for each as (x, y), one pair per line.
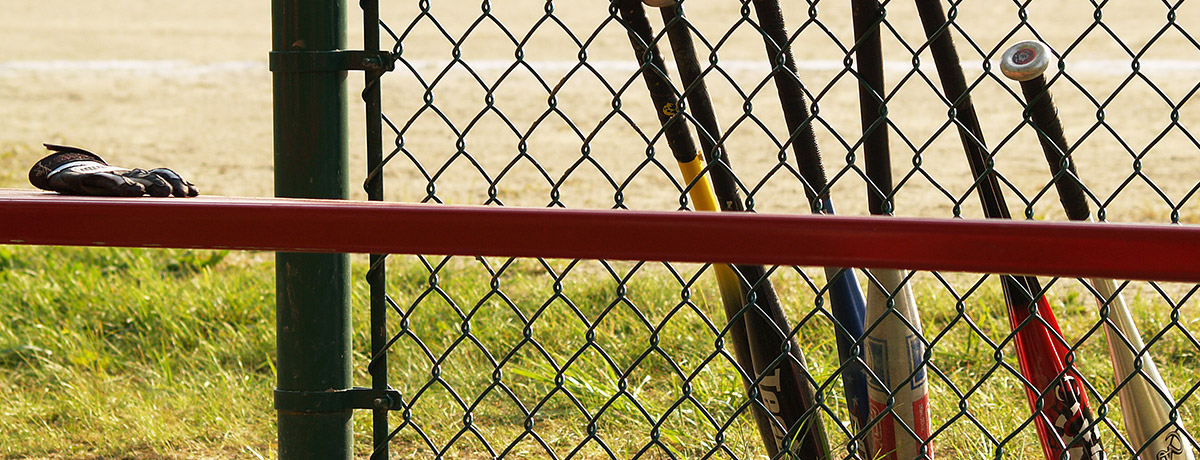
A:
(1118, 67)
(134, 68)
(182, 68)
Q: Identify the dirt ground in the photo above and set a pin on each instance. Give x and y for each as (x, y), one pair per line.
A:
(186, 84)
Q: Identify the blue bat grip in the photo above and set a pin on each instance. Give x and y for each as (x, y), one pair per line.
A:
(849, 308)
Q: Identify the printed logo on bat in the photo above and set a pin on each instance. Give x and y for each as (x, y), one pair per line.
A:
(884, 438)
(1070, 420)
(670, 109)
(769, 389)
(916, 356)
(877, 349)
(915, 348)
(1174, 447)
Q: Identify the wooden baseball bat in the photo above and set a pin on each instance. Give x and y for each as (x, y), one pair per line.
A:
(845, 295)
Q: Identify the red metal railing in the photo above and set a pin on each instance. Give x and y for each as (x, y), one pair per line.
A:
(1125, 251)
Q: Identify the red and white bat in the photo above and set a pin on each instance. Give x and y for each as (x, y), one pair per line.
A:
(895, 354)
(1064, 421)
(1146, 403)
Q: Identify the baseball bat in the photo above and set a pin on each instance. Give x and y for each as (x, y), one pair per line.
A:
(845, 295)
(895, 349)
(1064, 421)
(1146, 402)
(724, 187)
(791, 420)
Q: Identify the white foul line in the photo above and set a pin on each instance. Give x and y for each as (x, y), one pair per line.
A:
(173, 68)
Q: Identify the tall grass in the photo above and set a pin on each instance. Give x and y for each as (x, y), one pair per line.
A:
(124, 353)
(110, 352)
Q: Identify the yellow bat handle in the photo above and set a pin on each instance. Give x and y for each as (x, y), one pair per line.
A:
(702, 194)
(705, 199)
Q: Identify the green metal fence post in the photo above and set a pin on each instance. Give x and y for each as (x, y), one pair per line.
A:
(312, 290)
(377, 274)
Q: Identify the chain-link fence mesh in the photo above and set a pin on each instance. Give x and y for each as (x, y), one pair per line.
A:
(544, 104)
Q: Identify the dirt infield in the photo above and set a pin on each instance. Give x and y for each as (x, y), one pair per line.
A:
(183, 84)
(187, 85)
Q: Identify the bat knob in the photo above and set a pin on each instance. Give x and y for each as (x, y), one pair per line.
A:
(1025, 61)
(659, 3)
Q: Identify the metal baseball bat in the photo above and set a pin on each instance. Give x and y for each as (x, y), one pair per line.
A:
(791, 421)
(724, 183)
(895, 349)
(1064, 420)
(1146, 402)
(845, 295)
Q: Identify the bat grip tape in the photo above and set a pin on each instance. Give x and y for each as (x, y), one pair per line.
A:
(701, 192)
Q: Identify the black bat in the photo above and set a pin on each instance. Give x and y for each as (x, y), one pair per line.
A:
(1055, 390)
(895, 349)
(845, 295)
(791, 419)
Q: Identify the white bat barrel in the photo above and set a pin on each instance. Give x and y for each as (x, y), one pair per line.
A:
(894, 351)
(1146, 401)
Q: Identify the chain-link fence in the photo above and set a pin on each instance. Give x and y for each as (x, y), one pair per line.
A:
(549, 104)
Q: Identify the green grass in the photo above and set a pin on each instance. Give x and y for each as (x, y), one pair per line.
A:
(129, 353)
(104, 352)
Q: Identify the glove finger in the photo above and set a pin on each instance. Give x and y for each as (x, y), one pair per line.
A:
(179, 186)
(153, 183)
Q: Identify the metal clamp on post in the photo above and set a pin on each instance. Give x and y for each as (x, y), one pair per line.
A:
(332, 61)
(338, 400)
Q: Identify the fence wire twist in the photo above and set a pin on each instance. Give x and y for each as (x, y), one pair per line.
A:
(546, 104)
